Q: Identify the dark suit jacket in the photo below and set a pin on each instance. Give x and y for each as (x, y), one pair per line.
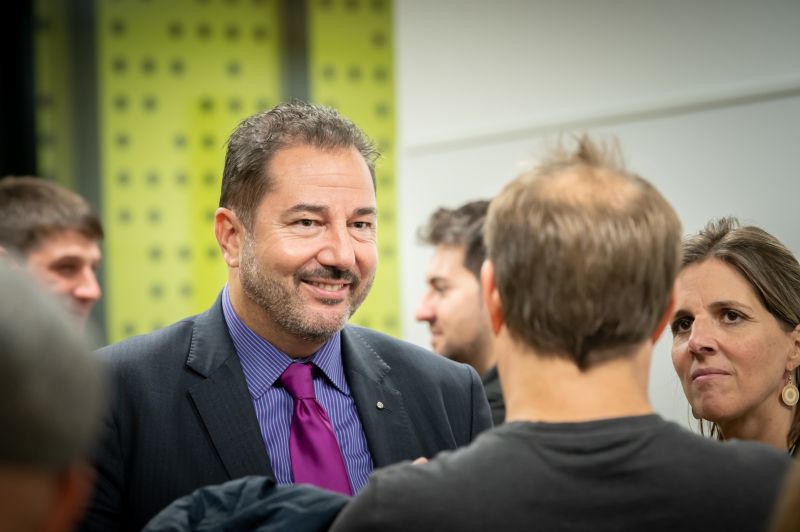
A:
(182, 416)
(494, 393)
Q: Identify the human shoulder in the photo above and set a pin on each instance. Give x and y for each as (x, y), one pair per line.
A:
(708, 464)
(408, 496)
(757, 456)
(398, 354)
(739, 452)
(381, 342)
(140, 349)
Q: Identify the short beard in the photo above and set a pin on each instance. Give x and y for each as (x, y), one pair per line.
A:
(466, 353)
(470, 352)
(282, 306)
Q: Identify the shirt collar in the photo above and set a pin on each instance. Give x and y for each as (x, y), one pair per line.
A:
(263, 363)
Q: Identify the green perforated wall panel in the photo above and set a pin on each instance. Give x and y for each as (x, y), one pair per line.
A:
(175, 77)
(351, 69)
(54, 114)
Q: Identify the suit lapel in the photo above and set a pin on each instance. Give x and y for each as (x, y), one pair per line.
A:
(222, 399)
(379, 404)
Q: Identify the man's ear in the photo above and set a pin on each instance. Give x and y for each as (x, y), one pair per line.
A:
(491, 296)
(662, 324)
(230, 235)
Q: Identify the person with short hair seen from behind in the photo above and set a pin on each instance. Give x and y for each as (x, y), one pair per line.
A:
(56, 237)
(786, 517)
(52, 393)
(736, 333)
(453, 305)
(271, 381)
(582, 256)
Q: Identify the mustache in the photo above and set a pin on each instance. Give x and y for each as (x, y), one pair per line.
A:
(329, 272)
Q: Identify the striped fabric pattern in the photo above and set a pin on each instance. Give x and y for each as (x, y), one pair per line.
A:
(263, 364)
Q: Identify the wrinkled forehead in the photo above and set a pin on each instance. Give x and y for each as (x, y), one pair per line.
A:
(294, 163)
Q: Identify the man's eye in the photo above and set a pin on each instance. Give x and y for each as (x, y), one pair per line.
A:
(362, 225)
(66, 269)
(306, 223)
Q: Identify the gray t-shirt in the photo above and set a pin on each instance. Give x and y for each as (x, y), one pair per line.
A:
(636, 473)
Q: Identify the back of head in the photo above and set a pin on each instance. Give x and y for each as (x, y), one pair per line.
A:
(51, 389)
(462, 226)
(585, 255)
(256, 140)
(31, 209)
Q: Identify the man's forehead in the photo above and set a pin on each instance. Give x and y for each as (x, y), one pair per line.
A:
(66, 242)
(303, 158)
(449, 252)
(447, 261)
(324, 209)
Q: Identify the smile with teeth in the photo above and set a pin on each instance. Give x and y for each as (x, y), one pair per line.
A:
(333, 288)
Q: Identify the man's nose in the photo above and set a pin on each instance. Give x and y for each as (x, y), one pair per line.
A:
(338, 250)
(424, 310)
(88, 288)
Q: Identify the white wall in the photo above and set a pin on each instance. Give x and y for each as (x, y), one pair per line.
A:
(704, 96)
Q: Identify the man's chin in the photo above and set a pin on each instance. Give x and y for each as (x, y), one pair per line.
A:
(439, 348)
(448, 353)
(324, 324)
(79, 313)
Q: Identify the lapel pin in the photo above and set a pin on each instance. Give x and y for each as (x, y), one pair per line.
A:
(379, 405)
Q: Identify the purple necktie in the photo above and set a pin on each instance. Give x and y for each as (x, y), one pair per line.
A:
(314, 451)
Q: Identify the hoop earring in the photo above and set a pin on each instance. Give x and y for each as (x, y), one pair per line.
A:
(790, 394)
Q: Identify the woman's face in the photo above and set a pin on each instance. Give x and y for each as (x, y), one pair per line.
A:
(731, 354)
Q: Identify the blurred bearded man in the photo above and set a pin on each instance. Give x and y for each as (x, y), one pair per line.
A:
(453, 305)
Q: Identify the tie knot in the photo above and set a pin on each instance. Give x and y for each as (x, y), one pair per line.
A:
(298, 381)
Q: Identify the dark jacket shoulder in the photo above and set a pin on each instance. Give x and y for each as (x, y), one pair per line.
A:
(400, 354)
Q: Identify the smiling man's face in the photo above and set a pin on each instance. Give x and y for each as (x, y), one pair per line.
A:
(311, 256)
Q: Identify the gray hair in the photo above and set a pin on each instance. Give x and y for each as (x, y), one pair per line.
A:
(258, 138)
(52, 391)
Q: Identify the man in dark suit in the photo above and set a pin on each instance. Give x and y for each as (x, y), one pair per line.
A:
(211, 398)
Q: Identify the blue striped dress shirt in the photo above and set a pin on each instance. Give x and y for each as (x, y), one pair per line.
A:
(263, 364)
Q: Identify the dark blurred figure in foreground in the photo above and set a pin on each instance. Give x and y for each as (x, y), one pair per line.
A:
(787, 511)
(453, 305)
(56, 236)
(51, 398)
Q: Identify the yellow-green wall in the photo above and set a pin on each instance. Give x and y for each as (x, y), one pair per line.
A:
(173, 80)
